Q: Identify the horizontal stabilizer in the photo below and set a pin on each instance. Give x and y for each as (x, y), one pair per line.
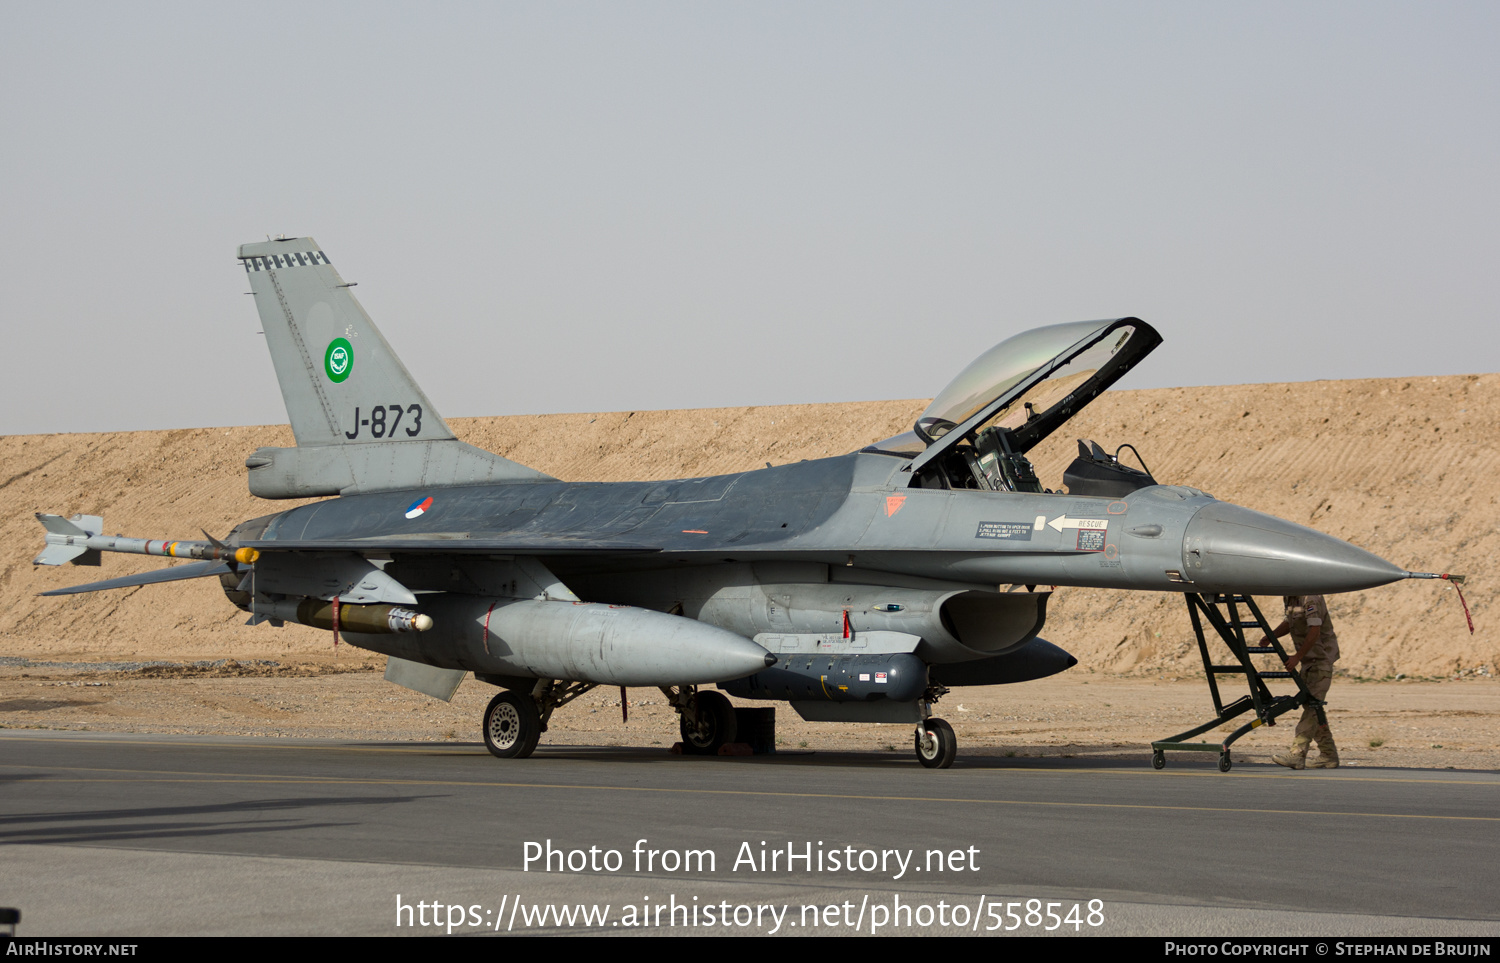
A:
(174, 574)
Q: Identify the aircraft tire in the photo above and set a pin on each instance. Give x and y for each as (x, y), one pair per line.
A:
(512, 726)
(715, 726)
(945, 746)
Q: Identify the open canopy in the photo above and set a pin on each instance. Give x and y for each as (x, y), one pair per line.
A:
(1027, 386)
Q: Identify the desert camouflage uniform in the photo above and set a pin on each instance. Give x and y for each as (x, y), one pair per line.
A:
(1302, 613)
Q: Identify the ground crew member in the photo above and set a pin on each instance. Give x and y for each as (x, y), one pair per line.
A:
(1317, 650)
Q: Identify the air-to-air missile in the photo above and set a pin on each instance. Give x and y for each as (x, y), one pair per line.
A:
(856, 588)
(80, 539)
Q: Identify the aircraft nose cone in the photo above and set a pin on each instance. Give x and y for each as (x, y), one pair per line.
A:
(1227, 548)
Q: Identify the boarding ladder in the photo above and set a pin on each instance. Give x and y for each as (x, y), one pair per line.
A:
(1231, 629)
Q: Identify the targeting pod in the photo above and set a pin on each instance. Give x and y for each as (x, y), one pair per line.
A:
(836, 678)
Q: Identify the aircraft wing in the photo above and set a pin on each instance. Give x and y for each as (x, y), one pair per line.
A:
(288, 566)
(456, 544)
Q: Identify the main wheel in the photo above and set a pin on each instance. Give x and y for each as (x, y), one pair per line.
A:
(940, 747)
(713, 727)
(512, 725)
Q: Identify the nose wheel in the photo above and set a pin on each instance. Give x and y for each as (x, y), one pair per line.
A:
(936, 744)
(512, 725)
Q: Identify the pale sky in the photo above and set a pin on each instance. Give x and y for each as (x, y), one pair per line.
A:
(612, 206)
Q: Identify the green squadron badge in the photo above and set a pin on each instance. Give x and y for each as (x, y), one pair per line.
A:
(338, 360)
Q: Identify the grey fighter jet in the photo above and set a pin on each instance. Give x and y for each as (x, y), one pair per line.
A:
(860, 588)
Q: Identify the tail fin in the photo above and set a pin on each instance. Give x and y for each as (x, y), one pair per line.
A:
(67, 538)
(361, 422)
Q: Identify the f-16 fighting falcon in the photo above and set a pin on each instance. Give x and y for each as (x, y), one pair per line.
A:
(860, 588)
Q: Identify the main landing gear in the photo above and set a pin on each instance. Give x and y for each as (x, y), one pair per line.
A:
(512, 725)
(705, 719)
(515, 720)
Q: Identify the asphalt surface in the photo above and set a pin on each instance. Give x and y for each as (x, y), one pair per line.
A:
(152, 835)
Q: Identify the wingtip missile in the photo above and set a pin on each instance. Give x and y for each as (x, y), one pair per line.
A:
(80, 539)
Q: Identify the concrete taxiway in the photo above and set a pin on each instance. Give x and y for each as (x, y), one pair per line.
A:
(139, 835)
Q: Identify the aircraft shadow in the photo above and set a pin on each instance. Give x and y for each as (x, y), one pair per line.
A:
(1073, 758)
(843, 758)
(143, 823)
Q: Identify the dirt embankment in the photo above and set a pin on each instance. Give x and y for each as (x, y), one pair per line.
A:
(1404, 467)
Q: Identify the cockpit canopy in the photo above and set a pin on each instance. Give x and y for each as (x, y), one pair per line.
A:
(1017, 393)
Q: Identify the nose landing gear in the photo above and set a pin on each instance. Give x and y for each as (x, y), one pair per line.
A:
(936, 744)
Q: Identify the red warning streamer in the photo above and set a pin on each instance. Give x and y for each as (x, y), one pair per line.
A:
(1457, 581)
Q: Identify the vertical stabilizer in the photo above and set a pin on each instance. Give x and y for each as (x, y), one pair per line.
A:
(361, 422)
